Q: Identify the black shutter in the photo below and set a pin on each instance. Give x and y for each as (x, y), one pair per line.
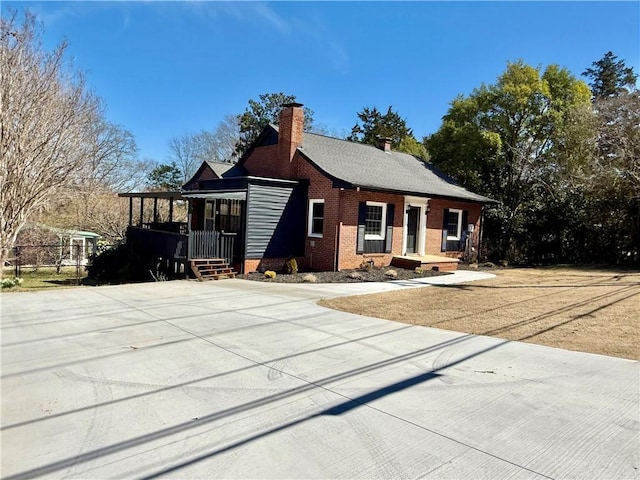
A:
(362, 216)
(445, 224)
(463, 233)
(388, 239)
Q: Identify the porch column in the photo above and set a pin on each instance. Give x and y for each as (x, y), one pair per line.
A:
(130, 211)
(141, 211)
(155, 210)
(171, 210)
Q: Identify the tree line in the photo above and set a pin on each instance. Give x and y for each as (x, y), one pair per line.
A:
(559, 157)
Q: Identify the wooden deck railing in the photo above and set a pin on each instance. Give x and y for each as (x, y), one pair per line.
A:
(180, 247)
(158, 243)
(211, 244)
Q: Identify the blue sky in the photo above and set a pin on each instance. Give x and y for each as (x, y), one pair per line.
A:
(168, 68)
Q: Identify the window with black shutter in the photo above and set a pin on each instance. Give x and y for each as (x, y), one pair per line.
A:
(453, 229)
(375, 227)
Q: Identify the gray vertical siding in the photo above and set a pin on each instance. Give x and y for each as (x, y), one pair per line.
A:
(275, 221)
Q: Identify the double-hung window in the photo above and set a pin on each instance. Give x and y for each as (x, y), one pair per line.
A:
(454, 229)
(375, 227)
(316, 218)
(375, 221)
(454, 224)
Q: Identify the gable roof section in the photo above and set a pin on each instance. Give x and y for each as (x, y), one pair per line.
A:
(359, 165)
(219, 168)
(353, 164)
(368, 167)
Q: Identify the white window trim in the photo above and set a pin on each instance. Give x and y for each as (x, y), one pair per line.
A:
(383, 225)
(459, 233)
(313, 202)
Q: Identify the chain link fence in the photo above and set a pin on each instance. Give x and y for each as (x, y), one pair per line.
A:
(29, 258)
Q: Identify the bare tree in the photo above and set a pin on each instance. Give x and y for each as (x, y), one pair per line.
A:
(184, 152)
(113, 161)
(191, 149)
(52, 132)
(226, 137)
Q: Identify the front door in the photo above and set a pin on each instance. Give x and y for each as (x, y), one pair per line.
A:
(412, 229)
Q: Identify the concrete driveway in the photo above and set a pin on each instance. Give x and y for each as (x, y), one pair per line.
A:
(240, 379)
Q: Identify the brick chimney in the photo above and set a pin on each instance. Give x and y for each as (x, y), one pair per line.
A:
(291, 124)
(384, 144)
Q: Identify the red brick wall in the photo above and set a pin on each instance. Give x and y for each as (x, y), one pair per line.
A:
(263, 264)
(341, 223)
(263, 162)
(434, 225)
(281, 160)
(320, 252)
(349, 230)
(291, 124)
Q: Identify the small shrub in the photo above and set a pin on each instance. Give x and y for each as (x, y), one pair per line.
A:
(11, 282)
(391, 274)
(112, 264)
(310, 278)
(291, 266)
(489, 265)
(504, 263)
(270, 274)
(355, 275)
(473, 265)
(418, 271)
(367, 265)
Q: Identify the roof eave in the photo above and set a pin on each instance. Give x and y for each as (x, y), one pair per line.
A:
(371, 188)
(341, 183)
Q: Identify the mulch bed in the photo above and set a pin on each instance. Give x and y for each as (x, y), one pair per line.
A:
(373, 275)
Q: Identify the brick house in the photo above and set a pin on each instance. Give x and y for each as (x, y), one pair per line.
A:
(330, 203)
(333, 204)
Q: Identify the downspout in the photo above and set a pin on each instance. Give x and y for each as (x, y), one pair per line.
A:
(336, 264)
(189, 219)
(481, 231)
(245, 238)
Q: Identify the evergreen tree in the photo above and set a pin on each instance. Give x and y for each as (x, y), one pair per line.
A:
(376, 125)
(610, 77)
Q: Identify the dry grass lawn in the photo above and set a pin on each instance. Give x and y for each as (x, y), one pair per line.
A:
(588, 310)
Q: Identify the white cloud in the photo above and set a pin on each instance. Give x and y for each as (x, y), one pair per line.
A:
(259, 13)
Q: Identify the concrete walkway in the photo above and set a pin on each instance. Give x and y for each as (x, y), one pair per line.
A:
(241, 379)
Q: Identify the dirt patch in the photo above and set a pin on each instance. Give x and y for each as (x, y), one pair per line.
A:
(346, 276)
(588, 310)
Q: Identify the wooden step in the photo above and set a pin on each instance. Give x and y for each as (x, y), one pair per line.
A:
(211, 269)
(209, 261)
(215, 270)
(430, 262)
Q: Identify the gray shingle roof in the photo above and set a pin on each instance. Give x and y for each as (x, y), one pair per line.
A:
(369, 167)
(219, 168)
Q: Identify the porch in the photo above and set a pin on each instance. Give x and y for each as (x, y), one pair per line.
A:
(171, 245)
(427, 262)
(161, 239)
